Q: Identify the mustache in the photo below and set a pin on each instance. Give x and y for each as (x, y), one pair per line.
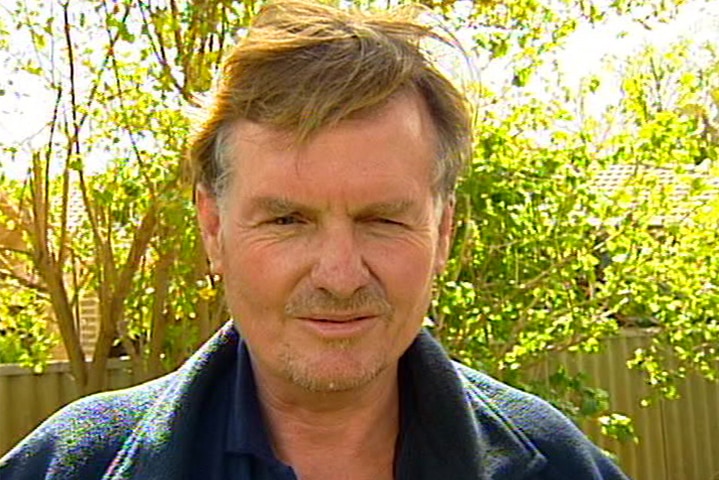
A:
(370, 299)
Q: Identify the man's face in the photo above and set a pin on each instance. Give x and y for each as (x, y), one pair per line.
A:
(328, 250)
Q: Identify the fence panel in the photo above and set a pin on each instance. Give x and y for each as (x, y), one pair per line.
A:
(678, 439)
(692, 431)
(26, 399)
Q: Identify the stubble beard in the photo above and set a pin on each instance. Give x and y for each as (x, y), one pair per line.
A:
(319, 376)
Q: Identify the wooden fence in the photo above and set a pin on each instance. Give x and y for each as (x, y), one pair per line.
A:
(26, 399)
(679, 440)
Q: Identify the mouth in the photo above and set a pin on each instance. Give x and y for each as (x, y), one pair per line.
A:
(339, 326)
(337, 319)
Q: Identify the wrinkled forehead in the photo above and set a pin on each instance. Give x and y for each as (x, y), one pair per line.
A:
(406, 114)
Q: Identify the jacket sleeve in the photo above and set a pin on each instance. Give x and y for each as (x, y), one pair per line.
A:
(568, 453)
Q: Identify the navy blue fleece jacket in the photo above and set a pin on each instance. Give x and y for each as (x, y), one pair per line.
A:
(465, 425)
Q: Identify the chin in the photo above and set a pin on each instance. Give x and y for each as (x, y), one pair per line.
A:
(333, 374)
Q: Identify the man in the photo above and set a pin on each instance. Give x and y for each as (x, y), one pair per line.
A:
(326, 168)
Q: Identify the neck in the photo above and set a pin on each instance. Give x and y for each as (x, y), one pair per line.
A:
(349, 434)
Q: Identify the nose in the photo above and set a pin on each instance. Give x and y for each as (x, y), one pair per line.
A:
(340, 268)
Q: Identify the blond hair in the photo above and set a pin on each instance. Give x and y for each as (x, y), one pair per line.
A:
(304, 66)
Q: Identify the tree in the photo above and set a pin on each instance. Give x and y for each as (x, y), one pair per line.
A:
(675, 286)
(545, 261)
(128, 244)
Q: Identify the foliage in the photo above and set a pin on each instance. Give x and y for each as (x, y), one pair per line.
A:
(124, 236)
(24, 336)
(527, 30)
(543, 262)
(548, 258)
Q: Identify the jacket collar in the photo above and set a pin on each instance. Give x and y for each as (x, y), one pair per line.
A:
(459, 430)
(456, 431)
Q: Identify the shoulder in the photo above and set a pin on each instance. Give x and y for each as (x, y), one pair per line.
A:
(81, 439)
(569, 453)
(531, 414)
(86, 437)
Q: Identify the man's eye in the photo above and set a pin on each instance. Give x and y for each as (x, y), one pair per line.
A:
(286, 220)
(388, 221)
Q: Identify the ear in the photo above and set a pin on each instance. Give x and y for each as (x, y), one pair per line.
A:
(444, 239)
(208, 216)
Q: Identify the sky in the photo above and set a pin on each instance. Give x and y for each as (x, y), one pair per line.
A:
(26, 106)
(698, 21)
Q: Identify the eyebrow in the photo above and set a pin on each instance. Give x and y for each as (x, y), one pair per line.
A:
(280, 206)
(389, 209)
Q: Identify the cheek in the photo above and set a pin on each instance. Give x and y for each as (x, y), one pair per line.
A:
(406, 272)
(258, 278)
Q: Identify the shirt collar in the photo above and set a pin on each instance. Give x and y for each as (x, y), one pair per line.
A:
(246, 432)
(455, 432)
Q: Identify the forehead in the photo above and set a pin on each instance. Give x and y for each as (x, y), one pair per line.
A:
(391, 149)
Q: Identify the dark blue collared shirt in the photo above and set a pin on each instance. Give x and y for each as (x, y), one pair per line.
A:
(233, 435)
(247, 434)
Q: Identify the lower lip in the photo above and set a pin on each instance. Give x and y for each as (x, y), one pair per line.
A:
(344, 329)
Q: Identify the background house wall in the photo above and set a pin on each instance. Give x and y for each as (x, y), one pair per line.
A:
(88, 326)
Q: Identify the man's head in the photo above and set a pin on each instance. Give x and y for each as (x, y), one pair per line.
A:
(305, 66)
(328, 146)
